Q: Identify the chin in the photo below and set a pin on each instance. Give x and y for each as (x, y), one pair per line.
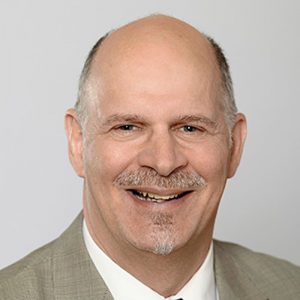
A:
(163, 245)
(158, 242)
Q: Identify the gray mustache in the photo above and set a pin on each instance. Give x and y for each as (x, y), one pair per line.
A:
(149, 177)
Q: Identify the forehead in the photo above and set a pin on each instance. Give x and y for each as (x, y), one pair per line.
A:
(155, 59)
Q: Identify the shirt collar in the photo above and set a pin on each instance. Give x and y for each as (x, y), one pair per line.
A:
(124, 286)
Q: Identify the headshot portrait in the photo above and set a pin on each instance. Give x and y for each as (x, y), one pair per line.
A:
(150, 150)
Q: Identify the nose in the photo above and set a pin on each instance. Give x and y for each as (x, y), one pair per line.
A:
(162, 153)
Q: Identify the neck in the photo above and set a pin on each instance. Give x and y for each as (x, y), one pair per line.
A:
(165, 274)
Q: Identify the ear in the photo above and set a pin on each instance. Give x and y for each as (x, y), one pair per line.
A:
(238, 137)
(75, 141)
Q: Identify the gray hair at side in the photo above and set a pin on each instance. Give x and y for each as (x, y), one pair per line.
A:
(226, 91)
(83, 90)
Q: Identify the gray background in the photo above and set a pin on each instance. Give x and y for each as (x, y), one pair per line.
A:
(43, 46)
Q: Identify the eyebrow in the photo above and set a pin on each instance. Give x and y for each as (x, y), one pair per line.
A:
(197, 119)
(115, 118)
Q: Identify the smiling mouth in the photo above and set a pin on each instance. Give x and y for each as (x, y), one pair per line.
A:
(146, 196)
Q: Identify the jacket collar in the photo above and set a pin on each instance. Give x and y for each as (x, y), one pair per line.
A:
(74, 274)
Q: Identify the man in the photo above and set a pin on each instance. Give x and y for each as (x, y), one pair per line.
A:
(155, 134)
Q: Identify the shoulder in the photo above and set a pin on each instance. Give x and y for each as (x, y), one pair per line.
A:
(34, 277)
(33, 270)
(265, 272)
(255, 260)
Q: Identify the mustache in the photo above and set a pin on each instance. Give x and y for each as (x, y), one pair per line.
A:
(149, 177)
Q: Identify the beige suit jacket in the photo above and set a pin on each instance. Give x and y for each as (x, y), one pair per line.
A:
(63, 270)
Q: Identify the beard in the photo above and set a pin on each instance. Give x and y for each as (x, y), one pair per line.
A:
(163, 234)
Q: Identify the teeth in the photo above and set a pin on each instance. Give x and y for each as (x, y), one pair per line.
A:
(158, 198)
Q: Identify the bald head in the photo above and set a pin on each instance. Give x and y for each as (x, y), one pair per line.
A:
(155, 47)
(156, 32)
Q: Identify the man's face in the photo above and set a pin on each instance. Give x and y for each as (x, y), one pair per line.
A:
(156, 151)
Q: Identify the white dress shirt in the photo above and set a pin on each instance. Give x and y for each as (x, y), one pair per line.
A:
(123, 286)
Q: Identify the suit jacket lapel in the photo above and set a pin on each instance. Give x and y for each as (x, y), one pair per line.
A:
(234, 281)
(74, 274)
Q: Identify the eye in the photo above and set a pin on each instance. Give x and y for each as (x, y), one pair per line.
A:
(126, 127)
(189, 128)
(192, 129)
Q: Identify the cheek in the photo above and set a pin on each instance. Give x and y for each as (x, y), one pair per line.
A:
(214, 170)
(106, 160)
(211, 162)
